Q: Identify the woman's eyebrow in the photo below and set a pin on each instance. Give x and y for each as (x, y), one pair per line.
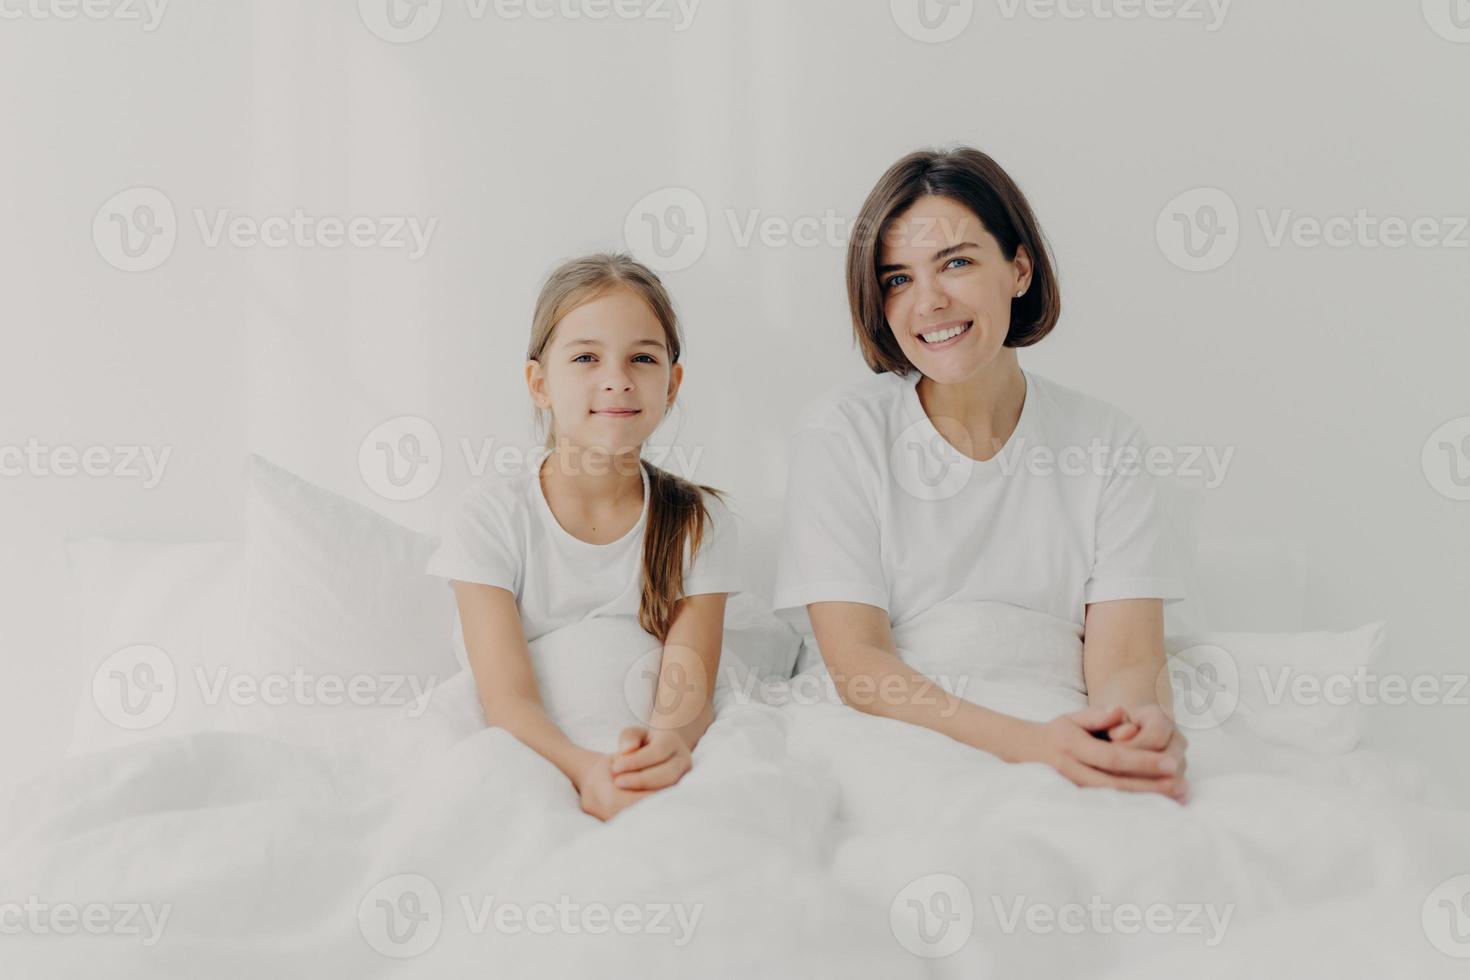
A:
(941, 254)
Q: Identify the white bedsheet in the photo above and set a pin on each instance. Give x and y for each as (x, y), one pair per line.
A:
(804, 842)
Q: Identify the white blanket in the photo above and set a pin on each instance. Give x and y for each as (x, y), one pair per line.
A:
(1026, 875)
(804, 842)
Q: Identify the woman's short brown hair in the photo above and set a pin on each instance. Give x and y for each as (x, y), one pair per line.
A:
(975, 180)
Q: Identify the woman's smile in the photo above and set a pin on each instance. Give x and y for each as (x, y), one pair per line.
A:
(945, 334)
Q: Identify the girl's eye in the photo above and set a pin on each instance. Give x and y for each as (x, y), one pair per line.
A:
(579, 357)
(957, 259)
(647, 358)
(892, 281)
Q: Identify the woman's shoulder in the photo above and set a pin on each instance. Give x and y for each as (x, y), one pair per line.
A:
(1079, 414)
(861, 404)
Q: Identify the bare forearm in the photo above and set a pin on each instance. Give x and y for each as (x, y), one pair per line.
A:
(1130, 684)
(692, 730)
(880, 683)
(528, 721)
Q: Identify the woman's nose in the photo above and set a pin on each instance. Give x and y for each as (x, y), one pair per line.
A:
(930, 296)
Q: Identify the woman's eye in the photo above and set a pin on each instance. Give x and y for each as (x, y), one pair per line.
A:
(892, 281)
(957, 258)
(579, 357)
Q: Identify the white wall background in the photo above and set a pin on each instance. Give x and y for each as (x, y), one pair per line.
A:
(529, 140)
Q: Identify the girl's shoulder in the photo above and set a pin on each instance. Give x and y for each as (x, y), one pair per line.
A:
(497, 500)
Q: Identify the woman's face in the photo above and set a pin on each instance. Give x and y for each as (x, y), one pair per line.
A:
(944, 277)
(606, 375)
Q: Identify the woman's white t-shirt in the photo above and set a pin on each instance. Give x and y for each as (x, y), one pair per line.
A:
(882, 510)
(503, 533)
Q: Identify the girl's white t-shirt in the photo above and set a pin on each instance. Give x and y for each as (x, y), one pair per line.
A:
(882, 510)
(503, 533)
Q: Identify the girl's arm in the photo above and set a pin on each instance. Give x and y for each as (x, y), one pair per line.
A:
(501, 662)
(683, 704)
(856, 643)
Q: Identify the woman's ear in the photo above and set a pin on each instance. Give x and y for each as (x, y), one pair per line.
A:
(1024, 266)
(536, 384)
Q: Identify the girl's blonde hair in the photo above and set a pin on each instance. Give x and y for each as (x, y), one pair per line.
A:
(676, 507)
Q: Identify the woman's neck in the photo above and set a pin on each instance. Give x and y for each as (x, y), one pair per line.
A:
(987, 405)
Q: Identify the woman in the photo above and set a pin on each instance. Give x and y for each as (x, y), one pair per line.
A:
(910, 489)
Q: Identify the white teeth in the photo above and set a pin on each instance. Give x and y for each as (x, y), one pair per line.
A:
(939, 336)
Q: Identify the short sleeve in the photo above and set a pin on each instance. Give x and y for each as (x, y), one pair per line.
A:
(1132, 557)
(716, 568)
(478, 543)
(830, 541)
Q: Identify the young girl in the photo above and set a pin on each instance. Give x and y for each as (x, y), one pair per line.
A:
(594, 530)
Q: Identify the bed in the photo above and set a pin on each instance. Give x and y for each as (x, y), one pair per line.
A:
(277, 771)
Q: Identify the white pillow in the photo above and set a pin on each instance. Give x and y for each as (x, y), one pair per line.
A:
(153, 616)
(322, 628)
(1307, 690)
(335, 594)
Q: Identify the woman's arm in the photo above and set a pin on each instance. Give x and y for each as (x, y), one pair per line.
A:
(501, 662)
(683, 702)
(1125, 666)
(856, 643)
(1123, 653)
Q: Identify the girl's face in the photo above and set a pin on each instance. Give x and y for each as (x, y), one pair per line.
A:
(945, 278)
(605, 375)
